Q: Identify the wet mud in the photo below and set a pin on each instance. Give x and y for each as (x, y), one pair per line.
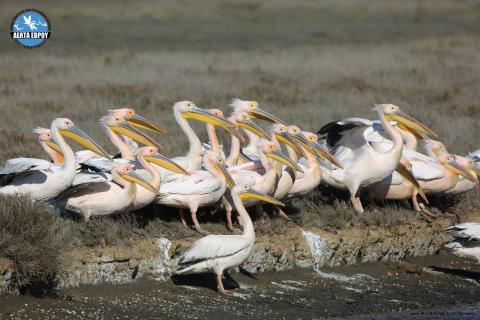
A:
(433, 287)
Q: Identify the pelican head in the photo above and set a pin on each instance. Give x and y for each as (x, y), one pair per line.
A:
(244, 120)
(449, 161)
(244, 191)
(136, 120)
(45, 136)
(127, 172)
(435, 148)
(282, 134)
(120, 125)
(188, 110)
(67, 128)
(273, 151)
(152, 155)
(252, 108)
(218, 164)
(392, 112)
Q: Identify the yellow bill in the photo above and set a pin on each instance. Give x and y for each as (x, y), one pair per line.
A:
(223, 170)
(140, 137)
(279, 156)
(458, 169)
(80, 137)
(405, 173)
(253, 127)
(164, 162)
(264, 115)
(54, 146)
(252, 194)
(142, 123)
(135, 178)
(411, 123)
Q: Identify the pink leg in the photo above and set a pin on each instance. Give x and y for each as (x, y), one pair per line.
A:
(182, 218)
(197, 225)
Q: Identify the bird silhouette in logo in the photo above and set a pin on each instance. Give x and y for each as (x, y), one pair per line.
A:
(31, 24)
(44, 24)
(17, 27)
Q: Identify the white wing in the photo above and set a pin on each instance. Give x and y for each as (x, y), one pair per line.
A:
(86, 177)
(466, 230)
(214, 246)
(426, 171)
(199, 183)
(19, 165)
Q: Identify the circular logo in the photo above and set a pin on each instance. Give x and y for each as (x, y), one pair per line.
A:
(30, 28)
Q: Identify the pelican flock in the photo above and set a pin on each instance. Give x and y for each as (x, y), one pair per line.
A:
(378, 159)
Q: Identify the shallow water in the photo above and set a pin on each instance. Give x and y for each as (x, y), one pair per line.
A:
(367, 291)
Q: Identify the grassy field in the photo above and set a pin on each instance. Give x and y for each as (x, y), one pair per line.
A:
(309, 62)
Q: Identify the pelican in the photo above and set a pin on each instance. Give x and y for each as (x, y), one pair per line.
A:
(436, 149)
(95, 168)
(312, 175)
(45, 182)
(184, 110)
(200, 189)
(272, 158)
(400, 185)
(112, 124)
(467, 242)
(436, 177)
(146, 156)
(252, 109)
(219, 253)
(104, 197)
(362, 164)
(50, 147)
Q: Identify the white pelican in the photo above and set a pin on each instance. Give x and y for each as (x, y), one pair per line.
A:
(272, 159)
(467, 242)
(120, 122)
(219, 253)
(400, 185)
(95, 168)
(50, 147)
(436, 149)
(184, 110)
(104, 197)
(312, 175)
(146, 156)
(438, 177)
(252, 109)
(135, 120)
(45, 182)
(200, 189)
(362, 164)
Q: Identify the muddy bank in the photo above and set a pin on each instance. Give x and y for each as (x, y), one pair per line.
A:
(305, 248)
(374, 290)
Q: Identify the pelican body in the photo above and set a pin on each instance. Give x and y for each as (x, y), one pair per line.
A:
(43, 183)
(105, 197)
(362, 164)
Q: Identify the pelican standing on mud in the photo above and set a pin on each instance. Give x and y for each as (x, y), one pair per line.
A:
(219, 253)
